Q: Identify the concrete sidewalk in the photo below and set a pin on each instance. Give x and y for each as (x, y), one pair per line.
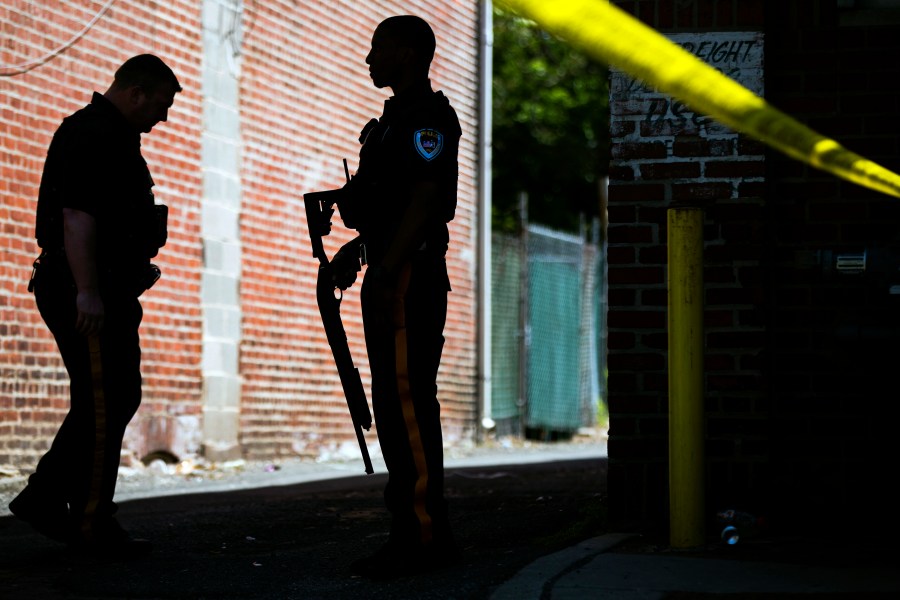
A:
(595, 569)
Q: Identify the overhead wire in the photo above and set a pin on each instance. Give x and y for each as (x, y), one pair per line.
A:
(12, 70)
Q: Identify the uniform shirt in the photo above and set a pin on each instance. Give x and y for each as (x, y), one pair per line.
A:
(94, 164)
(416, 139)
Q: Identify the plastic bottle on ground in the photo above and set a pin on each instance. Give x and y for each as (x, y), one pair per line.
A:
(738, 525)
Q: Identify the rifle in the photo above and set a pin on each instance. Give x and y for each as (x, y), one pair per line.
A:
(318, 212)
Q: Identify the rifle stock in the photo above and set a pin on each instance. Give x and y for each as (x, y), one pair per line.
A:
(318, 205)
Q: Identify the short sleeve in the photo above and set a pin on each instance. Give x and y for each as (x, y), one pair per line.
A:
(431, 147)
(85, 182)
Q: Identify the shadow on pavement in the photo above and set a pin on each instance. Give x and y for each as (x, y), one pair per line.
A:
(297, 541)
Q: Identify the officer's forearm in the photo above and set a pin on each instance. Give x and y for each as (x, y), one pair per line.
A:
(80, 240)
(411, 232)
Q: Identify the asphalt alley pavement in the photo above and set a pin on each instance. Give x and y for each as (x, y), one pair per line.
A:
(290, 530)
(531, 520)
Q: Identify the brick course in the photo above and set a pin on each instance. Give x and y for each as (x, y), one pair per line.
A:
(792, 369)
(304, 96)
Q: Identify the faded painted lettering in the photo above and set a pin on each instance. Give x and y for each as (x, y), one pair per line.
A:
(739, 55)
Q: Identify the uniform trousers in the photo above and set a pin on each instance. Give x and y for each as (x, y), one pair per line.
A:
(404, 352)
(81, 465)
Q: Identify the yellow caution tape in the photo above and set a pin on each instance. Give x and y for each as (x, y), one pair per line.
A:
(618, 39)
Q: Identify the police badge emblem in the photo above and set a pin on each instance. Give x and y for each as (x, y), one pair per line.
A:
(429, 143)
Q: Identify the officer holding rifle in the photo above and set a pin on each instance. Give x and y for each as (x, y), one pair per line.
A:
(400, 201)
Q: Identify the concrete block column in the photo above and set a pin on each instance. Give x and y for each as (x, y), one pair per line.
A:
(220, 229)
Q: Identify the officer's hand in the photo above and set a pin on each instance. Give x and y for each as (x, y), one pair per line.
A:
(343, 279)
(345, 266)
(89, 320)
(323, 227)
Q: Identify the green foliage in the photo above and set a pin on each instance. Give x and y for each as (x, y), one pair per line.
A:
(602, 413)
(551, 132)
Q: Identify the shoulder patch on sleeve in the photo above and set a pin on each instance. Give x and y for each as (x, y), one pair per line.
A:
(428, 143)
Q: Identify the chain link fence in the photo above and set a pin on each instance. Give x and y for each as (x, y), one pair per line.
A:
(547, 336)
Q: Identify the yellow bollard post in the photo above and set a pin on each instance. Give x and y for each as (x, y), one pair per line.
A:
(686, 414)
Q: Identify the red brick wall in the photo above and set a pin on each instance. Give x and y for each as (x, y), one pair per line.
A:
(303, 104)
(665, 156)
(34, 388)
(305, 94)
(799, 359)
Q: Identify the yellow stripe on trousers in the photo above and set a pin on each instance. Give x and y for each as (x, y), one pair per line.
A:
(96, 481)
(401, 366)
